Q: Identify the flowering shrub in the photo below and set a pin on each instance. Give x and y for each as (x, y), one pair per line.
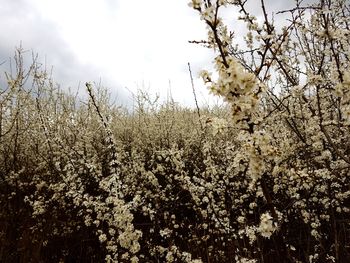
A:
(295, 139)
(264, 180)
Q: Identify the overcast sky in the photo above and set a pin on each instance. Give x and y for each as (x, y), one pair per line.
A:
(124, 43)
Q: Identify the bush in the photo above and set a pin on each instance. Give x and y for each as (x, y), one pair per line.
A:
(263, 180)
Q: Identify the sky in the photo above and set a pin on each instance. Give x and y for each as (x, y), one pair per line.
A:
(124, 45)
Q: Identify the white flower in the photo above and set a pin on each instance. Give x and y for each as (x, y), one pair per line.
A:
(102, 238)
(38, 208)
(266, 227)
(250, 233)
(218, 125)
(165, 232)
(135, 247)
(205, 199)
(169, 257)
(195, 4)
(208, 14)
(314, 233)
(222, 2)
(205, 75)
(241, 219)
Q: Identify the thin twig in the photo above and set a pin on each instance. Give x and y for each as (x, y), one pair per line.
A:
(195, 95)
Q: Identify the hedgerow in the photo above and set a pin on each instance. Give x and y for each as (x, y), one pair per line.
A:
(263, 179)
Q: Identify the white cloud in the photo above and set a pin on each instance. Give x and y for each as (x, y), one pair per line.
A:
(132, 42)
(23, 23)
